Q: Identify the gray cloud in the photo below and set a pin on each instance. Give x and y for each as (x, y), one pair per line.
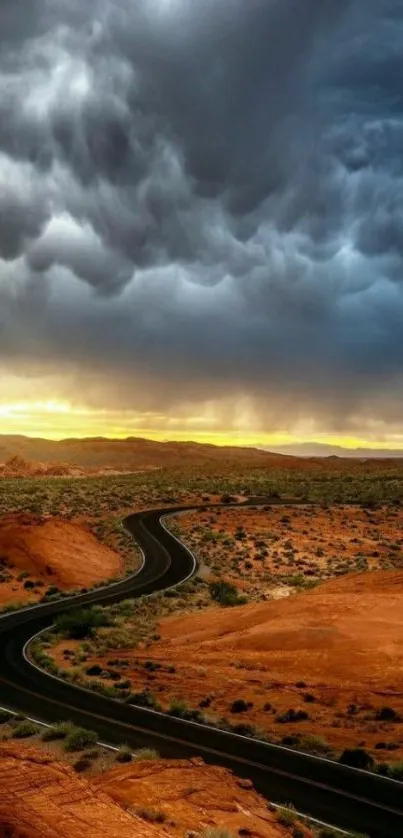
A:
(202, 201)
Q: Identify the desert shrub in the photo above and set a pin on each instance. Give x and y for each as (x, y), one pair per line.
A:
(387, 714)
(5, 716)
(239, 706)
(81, 622)
(79, 738)
(146, 753)
(246, 730)
(291, 741)
(180, 710)
(57, 731)
(123, 685)
(94, 670)
(298, 832)
(217, 832)
(226, 594)
(144, 699)
(124, 754)
(148, 813)
(315, 744)
(357, 758)
(24, 729)
(286, 817)
(396, 770)
(82, 764)
(292, 715)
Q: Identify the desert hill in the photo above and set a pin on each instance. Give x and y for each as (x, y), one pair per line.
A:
(346, 631)
(50, 552)
(26, 456)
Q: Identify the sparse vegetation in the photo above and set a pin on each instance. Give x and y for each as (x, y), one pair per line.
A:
(148, 813)
(24, 729)
(78, 739)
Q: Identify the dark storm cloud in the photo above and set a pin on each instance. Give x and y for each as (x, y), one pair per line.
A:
(201, 200)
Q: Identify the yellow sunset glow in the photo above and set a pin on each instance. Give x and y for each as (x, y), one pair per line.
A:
(57, 420)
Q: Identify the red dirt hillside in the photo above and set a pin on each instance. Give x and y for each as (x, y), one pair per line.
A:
(51, 551)
(334, 653)
(42, 798)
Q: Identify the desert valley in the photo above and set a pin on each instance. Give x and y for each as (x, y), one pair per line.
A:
(289, 631)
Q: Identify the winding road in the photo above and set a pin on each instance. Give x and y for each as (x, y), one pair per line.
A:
(352, 799)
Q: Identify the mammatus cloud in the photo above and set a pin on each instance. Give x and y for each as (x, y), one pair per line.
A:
(201, 203)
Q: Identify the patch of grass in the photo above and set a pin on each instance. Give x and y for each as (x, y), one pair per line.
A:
(58, 731)
(146, 753)
(24, 729)
(226, 594)
(286, 817)
(78, 739)
(81, 622)
(396, 770)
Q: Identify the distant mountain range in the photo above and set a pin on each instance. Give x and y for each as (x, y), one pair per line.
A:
(319, 449)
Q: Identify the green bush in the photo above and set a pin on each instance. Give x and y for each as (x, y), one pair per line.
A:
(81, 623)
(78, 739)
(24, 729)
(286, 817)
(57, 731)
(226, 594)
(5, 716)
(396, 770)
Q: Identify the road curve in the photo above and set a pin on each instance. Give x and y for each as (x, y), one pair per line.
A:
(350, 798)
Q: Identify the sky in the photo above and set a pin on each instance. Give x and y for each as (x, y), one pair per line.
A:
(201, 219)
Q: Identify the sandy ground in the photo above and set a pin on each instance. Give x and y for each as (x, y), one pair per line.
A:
(49, 552)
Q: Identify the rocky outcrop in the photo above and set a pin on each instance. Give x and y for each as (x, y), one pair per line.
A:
(42, 798)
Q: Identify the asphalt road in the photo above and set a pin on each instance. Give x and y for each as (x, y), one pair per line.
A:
(350, 798)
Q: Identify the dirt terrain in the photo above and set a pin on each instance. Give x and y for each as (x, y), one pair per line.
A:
(38, 553)
(19, 467)
(333, 654)
(273, 550)
(44, 798)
